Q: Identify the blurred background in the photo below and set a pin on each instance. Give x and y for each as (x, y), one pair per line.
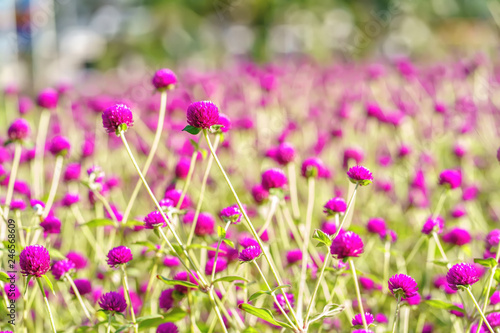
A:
(43, 42)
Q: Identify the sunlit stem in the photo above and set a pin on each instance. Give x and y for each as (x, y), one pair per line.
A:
(127, 294)
(249, 223)
(47, 305)
(108, 330)
(488, 288)
(292, 177)
(358, 293)
(39, 150)
(272, 209)
(396, 314)
(217, 253)
(438, 243)
(192, 164)
(387, 258)
(479, 309)
(440, 203)
(53, 187)
(151, 194)
(152, 152)
(78, 296)
(12, 180)
(348, 209)
(415, 249)
(217, 312)
(202, 192)
(305, 244)
(318, 282)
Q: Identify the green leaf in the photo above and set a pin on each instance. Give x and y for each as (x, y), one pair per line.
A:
(123, 328)
(221, 232)
(435, 303)
(230, 278)
(4, 277)
(229, 242)
(192, 130)
(178, 249)
(56, 254)
(490, 262)
(329, 310)
(174, 315)
(322, 238)
(140, 319)
(497, 276)
(256, 295)
(148, 244)
(250, 330)
(440, 263)
(177, 282)
(132, 223)
(200, 246)
(195, 144)
(264, 314)
(98, 223)
(46, 278)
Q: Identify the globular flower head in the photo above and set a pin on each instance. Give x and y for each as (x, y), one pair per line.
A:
(62, 267)
(285, 153)
(492, 239)
(457, 236)
(376, 225)
(225, 122)
(59, 146)
(293, 256)
(450, 178)
(117, 118)
(462, 275)
(51, 225)
(402, 285)
(360, 175)
(175, 196)
(70, 199)
(260, 194)
(83, 286)
(334, 206)
(273, 178)
(456, 312)
(205, 225)
(493, 319)
(219, 267)
(113, 301)
(433, 225)
(314, 167)
(358, 319)
(182, 168)
(164, 79)
(118, 256)
(250, 253)
(79, 259)
(34, 260)
(47, 99)
(202, 114)
(72, 172)
(19, 130)
(166, 299)
(167, 328)
(154, 220)
(17, 204)
(231, 214)
(346, 244)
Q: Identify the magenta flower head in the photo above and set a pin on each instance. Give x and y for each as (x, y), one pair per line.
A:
(113, 301)
(59, 146)
(72, 172)
(402, 286)
(164, 79)
(19, 130)
(230, 214)
(205, 225)
(79, 259)
(457, 236)
(154, 220)
(281, 300)
(219, 267)
(175, 196)
(182, 168)
(51, 225)
(358, 319)
(119, 256)
(259, 193)
(250, 253)
(166, 299)
(274, 178)
(62, 267)
(433, 225)
(450, 178)
(185, 276)
(167, 328)
(346, 244)
(202, 114)
(334, 206)
(117, 118)
(462, 275)
(47, 99)
(360, 175)
(285, 153)
(224, 122)
(376, 225)
(314, 167)
(70, 199)
(293, 256)
(34, 261)
(83, 286)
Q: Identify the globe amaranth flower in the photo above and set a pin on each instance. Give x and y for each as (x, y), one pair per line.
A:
(231, 214)
(167, 300)
(164, 79)
(456, 312)
(314, 167)
(450, 178)
(282, 302)
(219, 267)
(70, 199)
(34, 261)
(62, 267)
(360, 175)
(433, 225)
(358, 319)
(167, 328)
(293, 256)
(113, 301)
(59, 146)
(414, 300)
(493, 319)
(224, 122)
(118, 256)
(83, 286)
(250, 253)
(79, 259)
(72, 172)
(273, 178)
(402, 285)
(154, 220)
(376, 225)
(19, 130)
(202, 114)
(362, 331)
(247, 241)
(47, 99)
(285, 153)
(346, 244)
(260, 194)
(185, 276)
(17, 204)
(182, 168)
(205, 225)
(462, 275)
(117, 118)
(334, 206)
(51, 225)
(457, 236)
(381, 318)
(175, 196)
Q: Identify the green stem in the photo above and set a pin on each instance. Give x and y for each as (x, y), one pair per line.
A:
(216, 309)
(490, 281)
(438, 243)
(358, 293)
(127, 294)
(53, 186)
(78, 296)
(217, 253)
(47, 305)
(415, 249)
(440, 203)
(387, 259)
(12, 180)
(108, 330)
(192, 164)
(39, 149)
(311, 302)
(292, 177)
(249, 223)
(349, 206)
(479, 310)
(396, 315)
(152, 152)
(272, 209)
